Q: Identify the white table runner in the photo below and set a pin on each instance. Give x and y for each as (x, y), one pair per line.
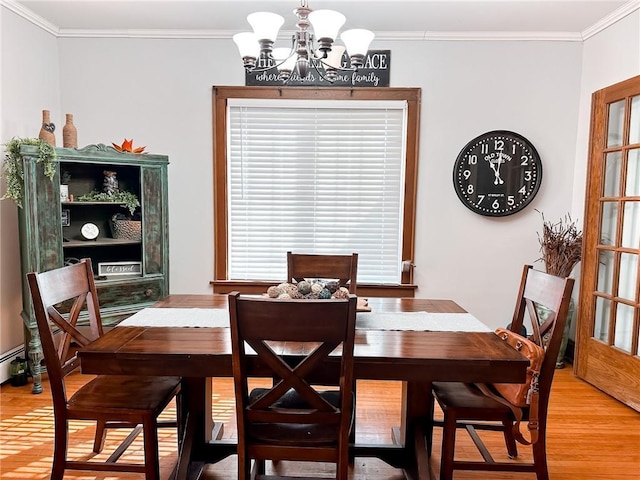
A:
(219, 317)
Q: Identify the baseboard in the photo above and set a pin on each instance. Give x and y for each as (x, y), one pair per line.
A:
(5, 362)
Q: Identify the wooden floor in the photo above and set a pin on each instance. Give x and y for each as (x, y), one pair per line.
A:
(590, 436)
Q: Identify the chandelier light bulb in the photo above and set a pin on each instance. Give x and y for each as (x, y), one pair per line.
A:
(248, 47)
(326, 24)
(334, 58)
(285, 61)
(265, 26)
(357, 42)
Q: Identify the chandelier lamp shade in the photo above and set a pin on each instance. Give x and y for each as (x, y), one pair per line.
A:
(309, 48)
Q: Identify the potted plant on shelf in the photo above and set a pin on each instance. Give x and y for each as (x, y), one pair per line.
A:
(128, 199)
(12, 169)
(561, 247)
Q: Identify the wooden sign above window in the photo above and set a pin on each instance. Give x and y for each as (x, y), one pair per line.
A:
(374, 73)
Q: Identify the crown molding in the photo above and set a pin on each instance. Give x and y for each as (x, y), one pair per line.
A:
(599, 26)
(610, 19)
(29, 16)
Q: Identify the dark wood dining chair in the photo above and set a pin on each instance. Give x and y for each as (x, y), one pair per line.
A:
(467, 406)
(344, 268)
(112, 401)
(300, 417)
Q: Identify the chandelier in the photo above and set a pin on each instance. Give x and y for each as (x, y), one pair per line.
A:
(308, 50)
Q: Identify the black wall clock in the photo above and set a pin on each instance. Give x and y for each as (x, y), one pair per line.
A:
(497, 173)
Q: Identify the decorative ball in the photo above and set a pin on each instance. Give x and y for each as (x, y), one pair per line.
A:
(311, 296)
(340, 293)
(290, 289)
(332, 286)
(316, 288)
(324, 294)
(274, 291)
(284, 296)
(304, 287)
(296, 294)
(284, 285)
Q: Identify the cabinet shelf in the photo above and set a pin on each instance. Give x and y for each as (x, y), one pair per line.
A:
(76, 202)
(100, 242)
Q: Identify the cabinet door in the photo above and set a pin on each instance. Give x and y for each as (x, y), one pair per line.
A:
(39, 224)
(155, 220)
(609, 323)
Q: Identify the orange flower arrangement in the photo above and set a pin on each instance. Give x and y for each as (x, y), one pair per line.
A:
(127, 146)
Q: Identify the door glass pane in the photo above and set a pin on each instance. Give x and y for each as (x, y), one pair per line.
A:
(601, 327)
(628, 278)
(605, 272)
(624, 326)
(634, 133)
(616, 124)
(631, 225)
(612, 174)
(609, 219)
(633, 173)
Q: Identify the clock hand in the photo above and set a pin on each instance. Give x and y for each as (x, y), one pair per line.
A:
(495, 166)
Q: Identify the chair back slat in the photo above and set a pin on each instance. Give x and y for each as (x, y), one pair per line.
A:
(341, 267)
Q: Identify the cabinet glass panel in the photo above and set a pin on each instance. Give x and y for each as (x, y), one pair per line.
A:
(603, 315)
(624, 326)
(628, 278)
(612, 174)
(634, 131)
(616, 124)
(605, 272)
(633, 173)
(631, 225)
(609, 222)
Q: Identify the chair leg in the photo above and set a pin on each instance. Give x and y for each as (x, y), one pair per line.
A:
(509, 439)
(151, 456)
(244, 464)
(540, 457)
(101, 435)
(448, 447)
(59, 449)
(428, 430)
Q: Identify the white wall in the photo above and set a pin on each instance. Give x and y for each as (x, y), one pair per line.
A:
(30, 83)
(158, 92)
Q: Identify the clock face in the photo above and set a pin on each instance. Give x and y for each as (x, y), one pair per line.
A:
(497, 173)
(90, 231)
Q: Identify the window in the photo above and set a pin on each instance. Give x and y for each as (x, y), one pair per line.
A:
(314, 171)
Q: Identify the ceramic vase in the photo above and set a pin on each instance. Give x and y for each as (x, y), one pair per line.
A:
(69, 133)
(47, 129)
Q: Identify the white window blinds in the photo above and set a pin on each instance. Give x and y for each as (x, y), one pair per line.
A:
(312, 176)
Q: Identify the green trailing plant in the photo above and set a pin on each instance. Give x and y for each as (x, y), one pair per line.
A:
(12, 169)
(128, 199)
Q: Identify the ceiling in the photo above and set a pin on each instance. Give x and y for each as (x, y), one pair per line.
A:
(398, 19)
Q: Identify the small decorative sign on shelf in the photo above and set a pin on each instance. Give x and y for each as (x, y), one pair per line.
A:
(117, 269)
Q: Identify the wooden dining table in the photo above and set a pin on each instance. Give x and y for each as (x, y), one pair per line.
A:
(413, 357)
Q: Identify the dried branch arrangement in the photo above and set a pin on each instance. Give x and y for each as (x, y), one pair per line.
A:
(561, 245)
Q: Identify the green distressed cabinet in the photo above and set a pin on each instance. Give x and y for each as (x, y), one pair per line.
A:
(131, 264)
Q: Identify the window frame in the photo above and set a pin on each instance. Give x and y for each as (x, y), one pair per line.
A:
(221, 94)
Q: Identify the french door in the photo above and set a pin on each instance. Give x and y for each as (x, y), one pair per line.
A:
(609, 325)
